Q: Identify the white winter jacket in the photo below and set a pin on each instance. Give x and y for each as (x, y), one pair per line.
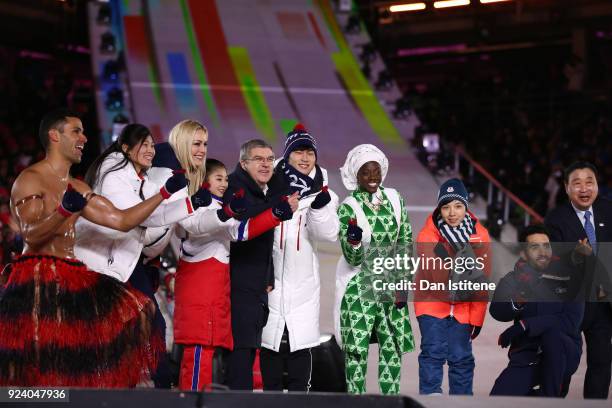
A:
(295, 300)
(205, 236)
(115, 253)
(193, 237)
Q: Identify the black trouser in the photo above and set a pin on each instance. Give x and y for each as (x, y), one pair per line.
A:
(146, 279)
(558, 362)
(240, 368)
(298, 365)
(516, 381)
(597, 328)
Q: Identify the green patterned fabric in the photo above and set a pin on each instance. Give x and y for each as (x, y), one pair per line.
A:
(384, 229)
(363, 311)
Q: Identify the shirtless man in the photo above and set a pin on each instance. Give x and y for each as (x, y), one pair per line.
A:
(60, 323)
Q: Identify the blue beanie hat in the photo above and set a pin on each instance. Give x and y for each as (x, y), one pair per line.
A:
(450, 190)
(298, 139)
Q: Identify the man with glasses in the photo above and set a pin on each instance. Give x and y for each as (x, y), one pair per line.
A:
(251, 267)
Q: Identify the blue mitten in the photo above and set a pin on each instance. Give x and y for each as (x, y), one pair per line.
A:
(202, 197)
(173, 184)
(72, 202)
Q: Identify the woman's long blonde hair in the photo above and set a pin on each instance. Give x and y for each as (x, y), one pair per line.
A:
(181, 139)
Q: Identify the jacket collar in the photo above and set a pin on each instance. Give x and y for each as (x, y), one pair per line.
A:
(247, 181)
(115, 159)
(527, 274)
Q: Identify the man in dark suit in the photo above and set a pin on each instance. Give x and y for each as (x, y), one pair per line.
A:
(251, 267)
(588, 219)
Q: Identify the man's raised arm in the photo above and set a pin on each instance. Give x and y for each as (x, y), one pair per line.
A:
(100, 210)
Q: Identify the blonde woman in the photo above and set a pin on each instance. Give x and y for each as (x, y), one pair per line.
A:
(189, 140)
(186, 150)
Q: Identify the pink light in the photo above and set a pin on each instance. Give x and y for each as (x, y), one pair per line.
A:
(408, 52)
(77, 48)
(34, 55)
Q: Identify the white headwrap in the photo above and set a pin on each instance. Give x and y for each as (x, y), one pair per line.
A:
(356, 158)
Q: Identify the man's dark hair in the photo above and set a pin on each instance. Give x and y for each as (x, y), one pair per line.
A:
(577, 165)
(531, 230)
(56, 119)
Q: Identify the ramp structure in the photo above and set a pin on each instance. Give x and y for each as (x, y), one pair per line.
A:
(249, 69)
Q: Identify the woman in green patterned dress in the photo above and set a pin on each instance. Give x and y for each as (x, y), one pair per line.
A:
(373, 225)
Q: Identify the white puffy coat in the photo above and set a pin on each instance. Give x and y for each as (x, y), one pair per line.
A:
(295, 300)
(115, 253)
(196, 234)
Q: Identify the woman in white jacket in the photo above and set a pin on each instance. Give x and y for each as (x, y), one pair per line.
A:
(293, 323)
(120, 174)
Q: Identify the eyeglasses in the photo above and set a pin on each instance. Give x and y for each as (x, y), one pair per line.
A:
(262, 160)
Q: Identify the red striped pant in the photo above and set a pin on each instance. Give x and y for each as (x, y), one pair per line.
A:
(196, 367)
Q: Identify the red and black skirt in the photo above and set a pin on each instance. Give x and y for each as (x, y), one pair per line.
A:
(64, 325)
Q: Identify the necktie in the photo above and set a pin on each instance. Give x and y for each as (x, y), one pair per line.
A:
(590, 231)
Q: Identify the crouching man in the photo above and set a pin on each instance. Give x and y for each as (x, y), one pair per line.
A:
(541, 297)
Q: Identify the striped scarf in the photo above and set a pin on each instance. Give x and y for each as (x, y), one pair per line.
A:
(297, 181)
(458, 236)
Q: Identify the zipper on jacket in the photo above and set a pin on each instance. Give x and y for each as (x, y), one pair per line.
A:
(140, 190)
(299, 229)
(452, 309)
(110, 257)
(282, 233)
